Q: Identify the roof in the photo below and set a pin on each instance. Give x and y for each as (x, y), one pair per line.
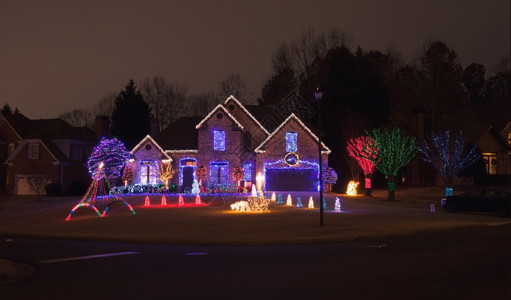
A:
(149, 139)
(219, 107)
(233, 99)
(259, 149)
(49, 129)
(267, 116)
(180, 135)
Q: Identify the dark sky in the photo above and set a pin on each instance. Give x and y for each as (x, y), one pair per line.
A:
(59, 55)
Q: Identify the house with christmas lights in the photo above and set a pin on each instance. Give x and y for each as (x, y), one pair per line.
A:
(230, 137)
(35, 153)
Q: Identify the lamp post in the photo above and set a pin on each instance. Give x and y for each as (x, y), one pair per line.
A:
(318, 95)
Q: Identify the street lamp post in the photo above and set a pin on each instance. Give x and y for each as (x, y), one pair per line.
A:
(318, 95)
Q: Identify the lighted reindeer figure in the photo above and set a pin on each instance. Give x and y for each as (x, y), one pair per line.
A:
(166, 173)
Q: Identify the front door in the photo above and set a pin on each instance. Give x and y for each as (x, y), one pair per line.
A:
(188, 177)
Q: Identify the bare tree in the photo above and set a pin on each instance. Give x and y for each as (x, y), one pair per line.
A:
(200, 105)
(234, 85)
(105, 105)
(37, 183)
(166, 99)
(78, 117)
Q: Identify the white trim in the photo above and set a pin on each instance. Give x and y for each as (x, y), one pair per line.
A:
(246, 112)
(182, 151)
(258, 149)
(219, 106)
(26, 142)
(150, 139)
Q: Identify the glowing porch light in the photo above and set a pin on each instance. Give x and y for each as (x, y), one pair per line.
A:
(352, 188)
(259, 181)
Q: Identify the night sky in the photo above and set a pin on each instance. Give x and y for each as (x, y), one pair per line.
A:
(59, 55)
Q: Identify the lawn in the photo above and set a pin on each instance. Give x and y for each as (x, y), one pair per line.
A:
(215, 222)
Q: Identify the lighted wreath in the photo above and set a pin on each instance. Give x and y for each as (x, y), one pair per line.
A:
(201, 173)
(329, 175)
(238, 173)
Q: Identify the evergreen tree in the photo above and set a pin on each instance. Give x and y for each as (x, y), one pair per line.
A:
(131, 115)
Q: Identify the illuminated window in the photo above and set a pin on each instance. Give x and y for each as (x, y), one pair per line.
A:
(219, 140)
(291, 141)
(490, 162)
(10, 149)
(148, 171)
(247, 169)
(219, 172)
(33, 151)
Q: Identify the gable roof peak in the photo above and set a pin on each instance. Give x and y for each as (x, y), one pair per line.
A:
(151, 140)
(221, 107)
(231, 97)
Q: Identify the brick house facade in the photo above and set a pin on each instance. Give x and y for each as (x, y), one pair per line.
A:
(48, 148)
(228, 137)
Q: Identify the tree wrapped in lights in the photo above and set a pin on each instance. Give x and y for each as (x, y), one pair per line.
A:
(447, 156)
(329, 177)
(127, 174)
(166, 173)
(112, 154)
(391, 150)
(355, 149)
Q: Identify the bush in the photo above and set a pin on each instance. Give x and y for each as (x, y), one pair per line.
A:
(53, 189)
(77, 188)
(143, 189)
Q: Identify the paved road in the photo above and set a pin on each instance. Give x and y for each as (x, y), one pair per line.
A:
(465, 263)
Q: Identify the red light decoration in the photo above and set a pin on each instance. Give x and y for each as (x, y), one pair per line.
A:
(147, 202)
(180, 201)
(163, 201)
(355, 149)
(197, 200)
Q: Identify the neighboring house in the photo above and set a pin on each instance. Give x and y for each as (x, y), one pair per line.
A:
(496, 151)
(47, 148)
(230, 136)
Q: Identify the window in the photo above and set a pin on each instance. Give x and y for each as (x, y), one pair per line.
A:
(219, 172)
(33, 151)
(490, 162)
(219, 140)
(247, 169)
(148, 171)
(10, 149)
(291, 141)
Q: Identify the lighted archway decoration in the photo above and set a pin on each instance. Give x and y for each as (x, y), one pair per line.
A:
(99, 187)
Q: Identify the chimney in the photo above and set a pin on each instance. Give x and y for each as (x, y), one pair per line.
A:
(154, 127)
(102, 126)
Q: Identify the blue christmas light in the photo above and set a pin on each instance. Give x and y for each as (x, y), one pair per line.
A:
(291, 141)
(219, 140)
(218, 172)
(247, 168)
(182, 164)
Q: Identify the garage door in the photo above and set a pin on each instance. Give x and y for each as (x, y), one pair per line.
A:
(291, 179)
(22, 187)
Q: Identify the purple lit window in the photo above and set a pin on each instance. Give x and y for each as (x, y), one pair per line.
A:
(291, 141)
(219, 140)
